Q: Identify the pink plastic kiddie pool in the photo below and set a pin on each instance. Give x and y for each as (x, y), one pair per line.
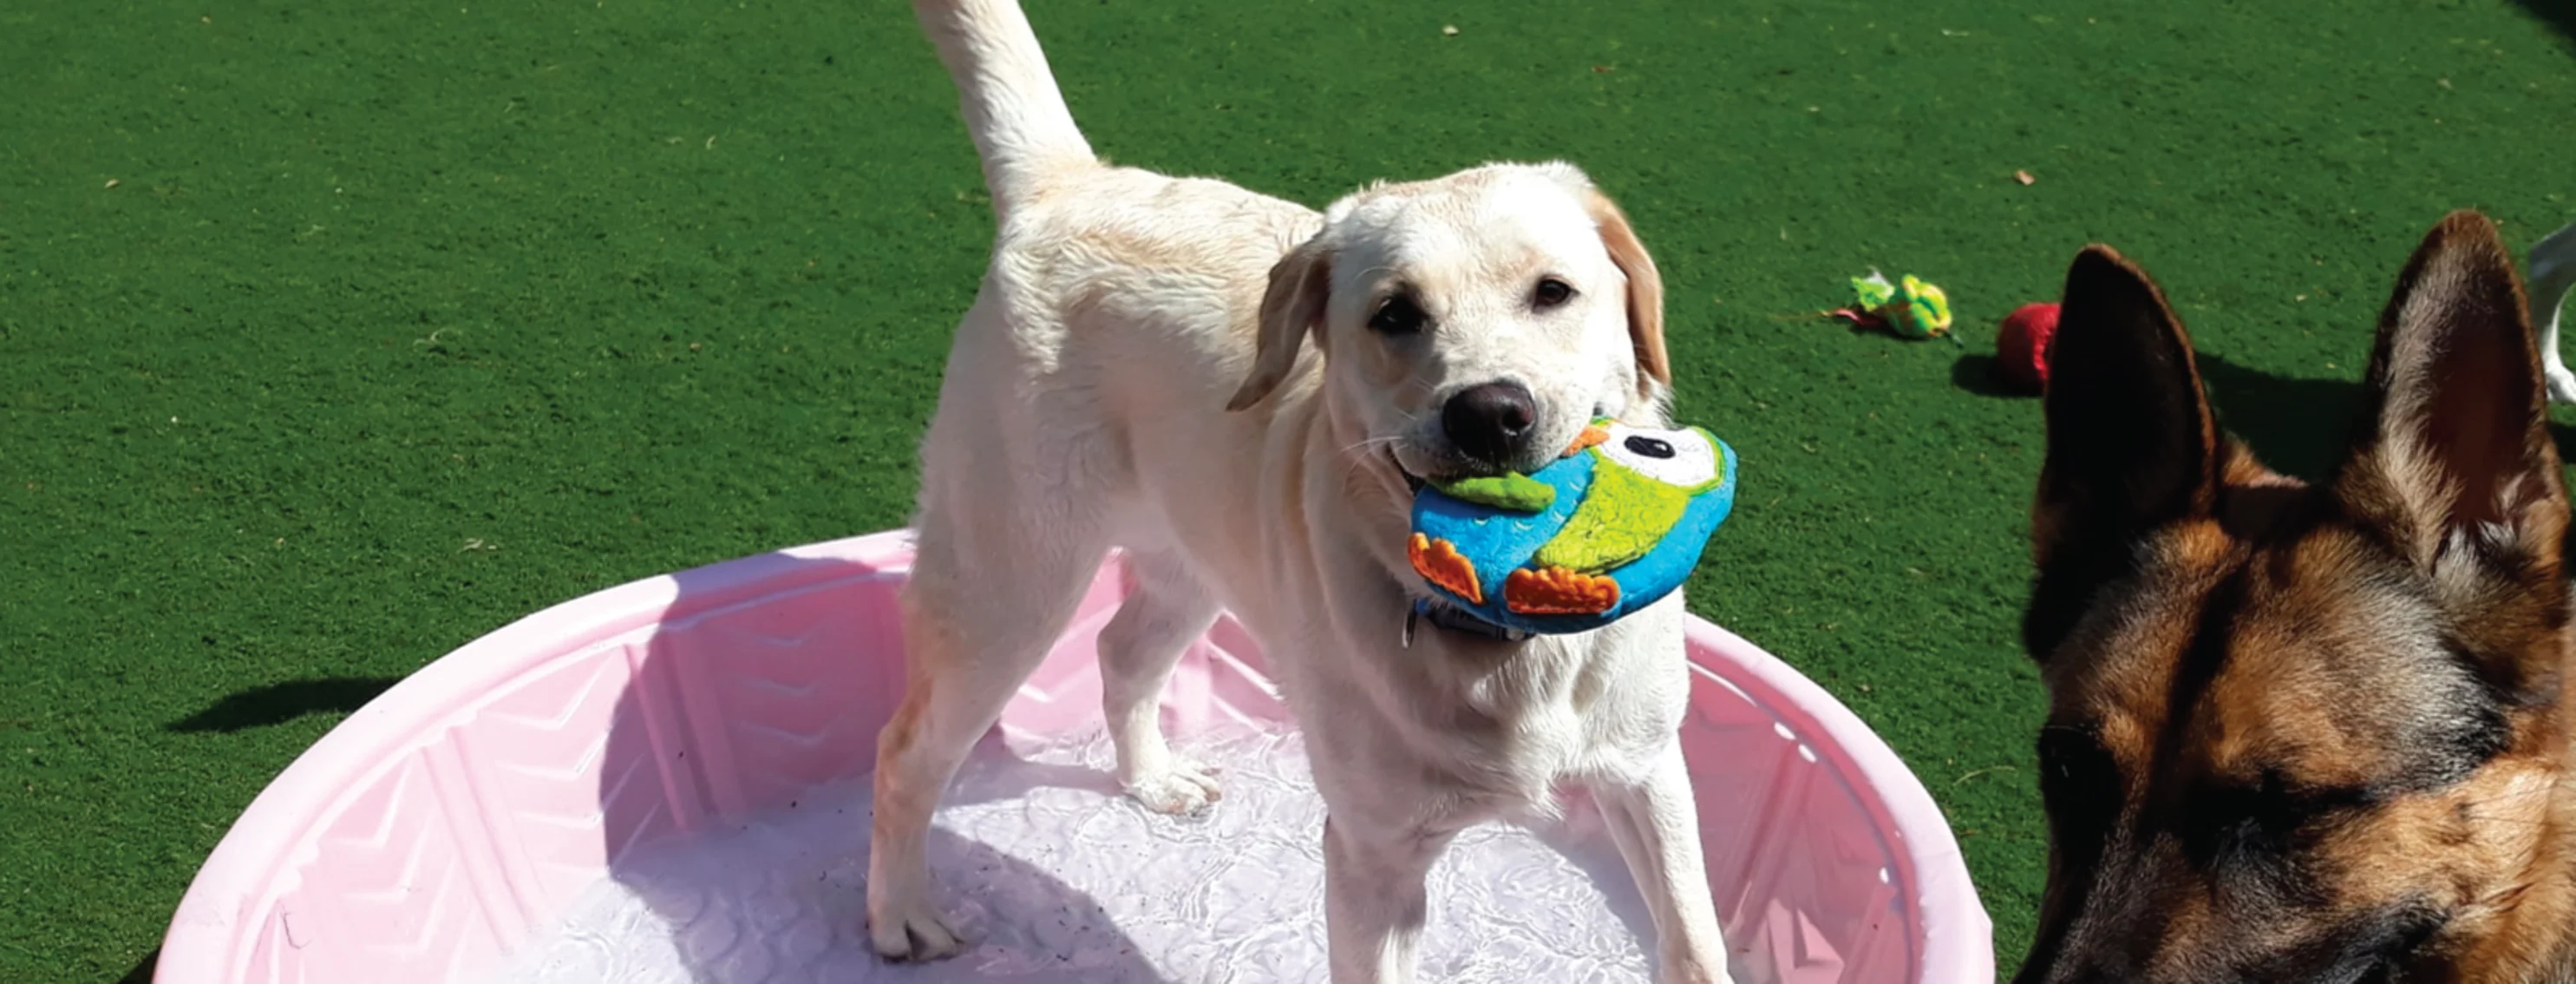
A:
(445, 824)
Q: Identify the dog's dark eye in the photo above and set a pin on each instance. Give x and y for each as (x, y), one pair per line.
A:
(2249, 825)
(1551, 292)
(1649, 447)
(2265, 818)
(1397, 316)
(2080, 784)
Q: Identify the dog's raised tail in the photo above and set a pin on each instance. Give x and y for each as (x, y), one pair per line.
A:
(1013, 109)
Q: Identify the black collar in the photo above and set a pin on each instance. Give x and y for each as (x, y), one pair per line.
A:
(1451, 617)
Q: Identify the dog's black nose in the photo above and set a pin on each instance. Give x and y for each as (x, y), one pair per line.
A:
(1491, 421)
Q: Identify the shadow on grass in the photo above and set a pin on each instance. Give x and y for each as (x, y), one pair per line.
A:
(2303, 427)
(2297, 426)
(2560, 14)
(1976, 374)
(278, 703)
(142, 972)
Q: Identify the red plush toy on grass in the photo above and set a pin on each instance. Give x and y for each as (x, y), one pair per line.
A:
(2021, 347)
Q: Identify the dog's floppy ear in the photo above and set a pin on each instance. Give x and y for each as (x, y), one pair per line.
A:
(1645, 291)
(2131, 443)
(2454, 464)
(1292, 307)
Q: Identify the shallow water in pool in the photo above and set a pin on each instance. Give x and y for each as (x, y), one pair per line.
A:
(1056, 877)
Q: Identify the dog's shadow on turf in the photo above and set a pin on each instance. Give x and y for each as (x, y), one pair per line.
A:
(2297, 426)
(2560, 14)
(278, 703)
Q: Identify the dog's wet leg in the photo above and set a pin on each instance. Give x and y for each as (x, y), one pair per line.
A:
(1138, 650)
(980, 612)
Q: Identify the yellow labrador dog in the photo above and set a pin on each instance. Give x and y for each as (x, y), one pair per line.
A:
(1243, 394)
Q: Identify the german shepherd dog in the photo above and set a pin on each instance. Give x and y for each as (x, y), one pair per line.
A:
(2305, 733)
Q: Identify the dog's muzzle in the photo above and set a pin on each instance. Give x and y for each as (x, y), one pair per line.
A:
(1412, 483)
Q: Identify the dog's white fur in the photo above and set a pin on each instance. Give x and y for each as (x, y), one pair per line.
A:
(1183, 369)
(2553, 277)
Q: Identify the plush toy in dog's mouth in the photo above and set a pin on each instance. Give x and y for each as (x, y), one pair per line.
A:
(1415, 482)
(1613, 525)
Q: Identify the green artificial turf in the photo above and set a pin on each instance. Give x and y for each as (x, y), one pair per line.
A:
(335, 335)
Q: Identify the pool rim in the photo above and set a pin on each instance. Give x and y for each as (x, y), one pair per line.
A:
(210, 937)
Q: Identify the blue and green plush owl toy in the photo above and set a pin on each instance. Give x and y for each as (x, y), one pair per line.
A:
(1614, 525)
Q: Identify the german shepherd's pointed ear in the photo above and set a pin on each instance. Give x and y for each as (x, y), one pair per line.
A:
(2454, 464)
(2131, 443)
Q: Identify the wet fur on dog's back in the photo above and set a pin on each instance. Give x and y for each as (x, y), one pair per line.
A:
(2305, 733)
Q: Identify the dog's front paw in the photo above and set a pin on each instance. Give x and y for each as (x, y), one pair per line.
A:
(911, 932)
(1181, 786)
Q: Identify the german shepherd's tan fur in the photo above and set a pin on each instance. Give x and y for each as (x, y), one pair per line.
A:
(2306, 733)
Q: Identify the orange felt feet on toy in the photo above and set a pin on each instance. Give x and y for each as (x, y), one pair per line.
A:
(1439, 562)
(1558, 591)
(1592, 434)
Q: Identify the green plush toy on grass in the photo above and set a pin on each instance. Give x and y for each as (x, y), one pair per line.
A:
(1910, 308)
